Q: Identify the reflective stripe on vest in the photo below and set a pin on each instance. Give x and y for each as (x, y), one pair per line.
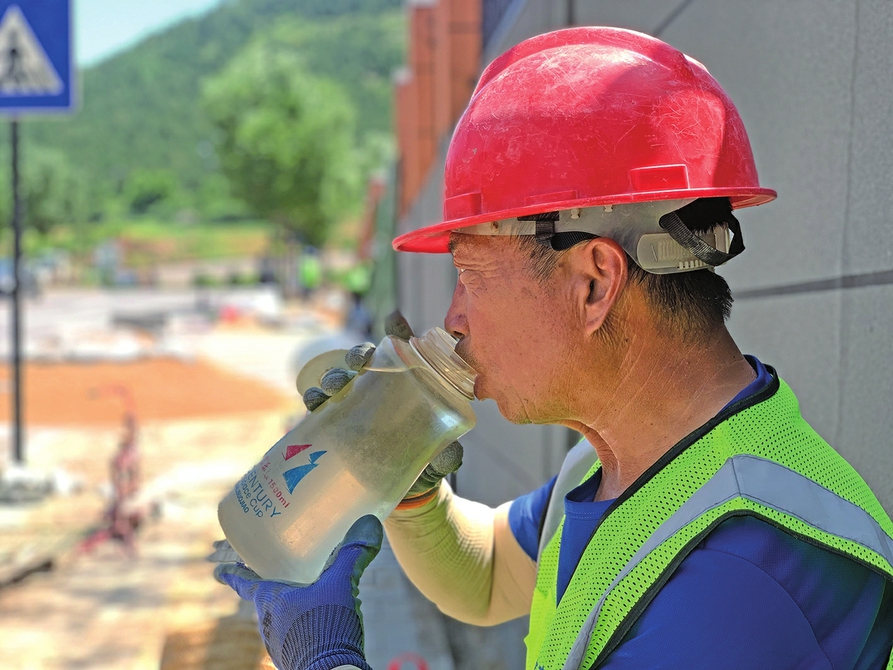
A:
(757, 458)
(575, 469)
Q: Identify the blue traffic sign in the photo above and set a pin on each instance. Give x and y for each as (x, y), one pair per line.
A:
(36, 60)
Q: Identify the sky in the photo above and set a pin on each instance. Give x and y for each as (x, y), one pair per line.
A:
(103, 28)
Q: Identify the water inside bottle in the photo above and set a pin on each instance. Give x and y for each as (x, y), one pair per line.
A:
(357, 454)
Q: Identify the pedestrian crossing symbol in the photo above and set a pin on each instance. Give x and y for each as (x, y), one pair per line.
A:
(25, 68)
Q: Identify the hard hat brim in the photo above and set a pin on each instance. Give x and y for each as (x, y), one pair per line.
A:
(435, 239)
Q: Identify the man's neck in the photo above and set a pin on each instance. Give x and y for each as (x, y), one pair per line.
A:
(663, 390)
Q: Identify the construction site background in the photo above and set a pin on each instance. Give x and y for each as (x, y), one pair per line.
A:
(813, 297)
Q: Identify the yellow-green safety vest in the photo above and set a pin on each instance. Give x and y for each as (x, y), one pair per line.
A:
(757, 457)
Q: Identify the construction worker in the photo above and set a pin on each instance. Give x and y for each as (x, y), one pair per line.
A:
(123, 517)
(589, 193)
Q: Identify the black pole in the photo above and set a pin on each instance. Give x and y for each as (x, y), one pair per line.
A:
(16, 293)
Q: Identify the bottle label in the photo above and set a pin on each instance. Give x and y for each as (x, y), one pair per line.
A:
(260, 493)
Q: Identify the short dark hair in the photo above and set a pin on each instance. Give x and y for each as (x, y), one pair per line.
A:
(694, 302)
(543, 258)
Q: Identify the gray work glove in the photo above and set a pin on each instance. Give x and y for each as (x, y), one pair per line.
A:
(445, 463)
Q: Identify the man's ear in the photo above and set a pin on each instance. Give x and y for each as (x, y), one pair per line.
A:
(602, 274)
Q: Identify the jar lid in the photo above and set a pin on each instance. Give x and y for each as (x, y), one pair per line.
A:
(438, 348)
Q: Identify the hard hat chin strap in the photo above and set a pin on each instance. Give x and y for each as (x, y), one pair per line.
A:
(696, 246)
(545, 226)
(546, 234)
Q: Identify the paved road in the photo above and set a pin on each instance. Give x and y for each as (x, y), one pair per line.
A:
(82, 309)
(80, 323)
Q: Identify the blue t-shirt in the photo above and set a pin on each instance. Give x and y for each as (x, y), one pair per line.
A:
(748, 596)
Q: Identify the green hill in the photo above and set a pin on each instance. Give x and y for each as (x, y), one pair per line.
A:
(141, 114)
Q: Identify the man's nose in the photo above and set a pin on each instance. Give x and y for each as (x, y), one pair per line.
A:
(454, 322)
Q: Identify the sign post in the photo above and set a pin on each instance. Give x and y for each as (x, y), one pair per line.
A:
(36, 76)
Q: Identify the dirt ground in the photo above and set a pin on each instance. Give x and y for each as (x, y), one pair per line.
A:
(200, 428)
(85, 394)
(105, 609)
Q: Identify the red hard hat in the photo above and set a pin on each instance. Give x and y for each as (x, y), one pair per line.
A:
(590, 116)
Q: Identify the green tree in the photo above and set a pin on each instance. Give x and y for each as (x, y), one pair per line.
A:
(146, 188)
(285, 140)
(140, 110)
(52, 192)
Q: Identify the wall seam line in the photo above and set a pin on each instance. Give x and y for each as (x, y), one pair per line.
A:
(843, 365)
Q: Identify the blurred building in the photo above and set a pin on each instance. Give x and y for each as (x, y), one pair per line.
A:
(813, 80)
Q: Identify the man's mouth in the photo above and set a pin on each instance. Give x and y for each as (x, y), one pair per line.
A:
(462, 352)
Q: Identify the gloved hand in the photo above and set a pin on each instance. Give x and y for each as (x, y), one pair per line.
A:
(445, 463)
(315, 627)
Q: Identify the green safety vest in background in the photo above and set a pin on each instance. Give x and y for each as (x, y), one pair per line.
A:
(757, 457)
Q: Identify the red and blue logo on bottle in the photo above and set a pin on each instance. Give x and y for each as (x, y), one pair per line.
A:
(294, 476)
(258, 492)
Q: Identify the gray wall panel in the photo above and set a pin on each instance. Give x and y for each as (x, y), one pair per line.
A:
(799, 335)
(788, 68)
(868, 243)
(866, 387)
(409, 301)
(426, 280)
(526, 19)
(642, 15)
(503, 461)
(426, 284)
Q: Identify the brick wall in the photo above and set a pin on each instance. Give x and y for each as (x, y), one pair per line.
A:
(432, 91)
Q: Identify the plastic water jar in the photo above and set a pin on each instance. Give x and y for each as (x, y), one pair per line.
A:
(356, 454)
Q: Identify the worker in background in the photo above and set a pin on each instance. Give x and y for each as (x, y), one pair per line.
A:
(310, 273)
(589, 194)
(123, 516)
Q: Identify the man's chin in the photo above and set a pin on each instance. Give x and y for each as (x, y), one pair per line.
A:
(510, 413)
(517, 418)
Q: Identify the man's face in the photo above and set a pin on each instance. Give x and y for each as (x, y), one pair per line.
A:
(513, 329)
